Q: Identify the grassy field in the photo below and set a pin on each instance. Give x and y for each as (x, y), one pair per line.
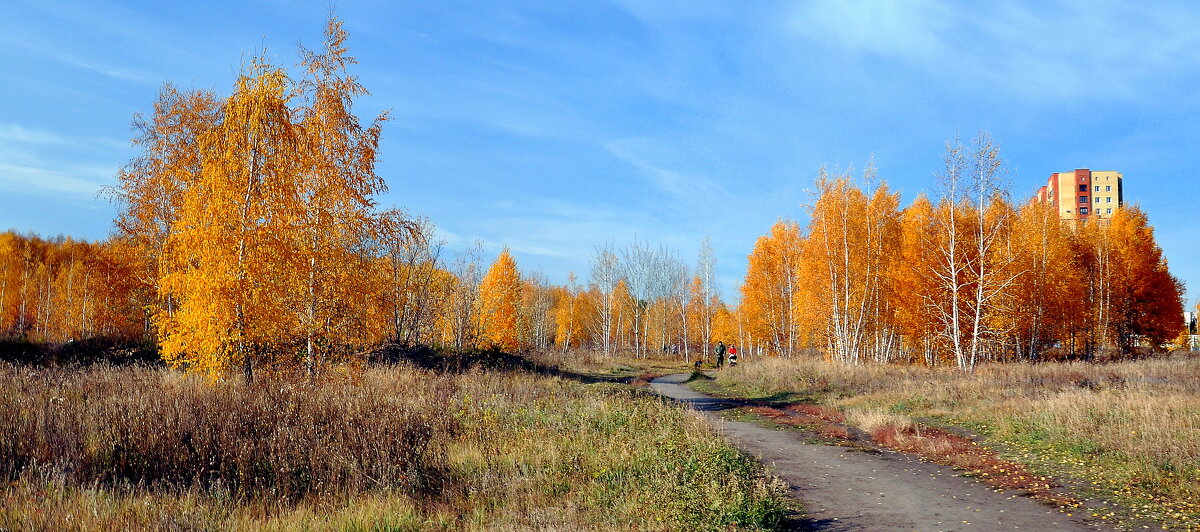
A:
(397, 448)
(1126, 433)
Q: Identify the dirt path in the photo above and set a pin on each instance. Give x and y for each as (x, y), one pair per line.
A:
(847, 489)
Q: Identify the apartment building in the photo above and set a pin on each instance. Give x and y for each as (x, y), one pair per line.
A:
(1083, 194)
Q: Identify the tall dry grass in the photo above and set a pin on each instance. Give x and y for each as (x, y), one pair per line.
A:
(148, 427)
(401, 449)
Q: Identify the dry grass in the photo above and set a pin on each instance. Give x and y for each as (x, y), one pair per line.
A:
(872, 421)
(1130, 430)
(399, 449)
(148, 427)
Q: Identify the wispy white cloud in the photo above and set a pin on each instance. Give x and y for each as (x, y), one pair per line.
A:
(1070, 49)
(898, 28)
(56, 53)
(18, 134)
(24, 179)
(450, 238)
(43, 162)
(521, 245)
(98, 67)
(679, 186)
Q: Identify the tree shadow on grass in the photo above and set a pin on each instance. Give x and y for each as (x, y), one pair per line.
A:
(781, 398)
(86, 352)
(462, 361)
(799, 523)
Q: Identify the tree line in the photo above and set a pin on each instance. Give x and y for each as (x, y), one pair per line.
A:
(61, 289)
(965, 277)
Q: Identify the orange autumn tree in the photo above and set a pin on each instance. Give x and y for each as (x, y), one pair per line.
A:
(335, 188)
(536, 322)
(415, 292)
(500, 304)
(972, 268)
(699, 317)
(150, 189)
(11, 274)
(725, 327)
(259, 216)
(850, 248)
(1146, 302)
(572, 313)
(912, 283)
(62, 289)
(770, 290)
(231, 251)
(970, 279)
(1045, 300)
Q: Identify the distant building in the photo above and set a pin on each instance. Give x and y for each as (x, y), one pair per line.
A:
(1083, 194)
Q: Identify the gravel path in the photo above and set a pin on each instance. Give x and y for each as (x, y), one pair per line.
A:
(847, 489)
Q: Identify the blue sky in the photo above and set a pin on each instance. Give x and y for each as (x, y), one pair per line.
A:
(548, 127)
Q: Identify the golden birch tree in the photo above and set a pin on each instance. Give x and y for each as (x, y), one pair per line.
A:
(150, 189)
(1049, 292)
(335, 188)
(913, 283)
(500, 304)
(536, 323)
(971, 228)
(699, 317)
(771, 287)
(850, 247)
(565, 325)
(231, 251)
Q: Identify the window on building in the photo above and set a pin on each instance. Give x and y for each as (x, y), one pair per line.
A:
(1083, 188)
(1097, 188)
(1108, 188)
(1109, 211)
(1082, 199)
(1083, 210)
(1108, 199)
(1097, 199)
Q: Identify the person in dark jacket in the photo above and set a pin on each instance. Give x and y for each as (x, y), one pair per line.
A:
(720, 352)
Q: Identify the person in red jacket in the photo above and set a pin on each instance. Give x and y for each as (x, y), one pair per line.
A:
(732, 355)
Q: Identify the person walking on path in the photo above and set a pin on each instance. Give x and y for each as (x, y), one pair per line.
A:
(720, 352)
(732, 356)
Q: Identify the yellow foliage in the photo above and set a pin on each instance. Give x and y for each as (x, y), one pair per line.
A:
(257, 210)
(772, 283)
(500, 303)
